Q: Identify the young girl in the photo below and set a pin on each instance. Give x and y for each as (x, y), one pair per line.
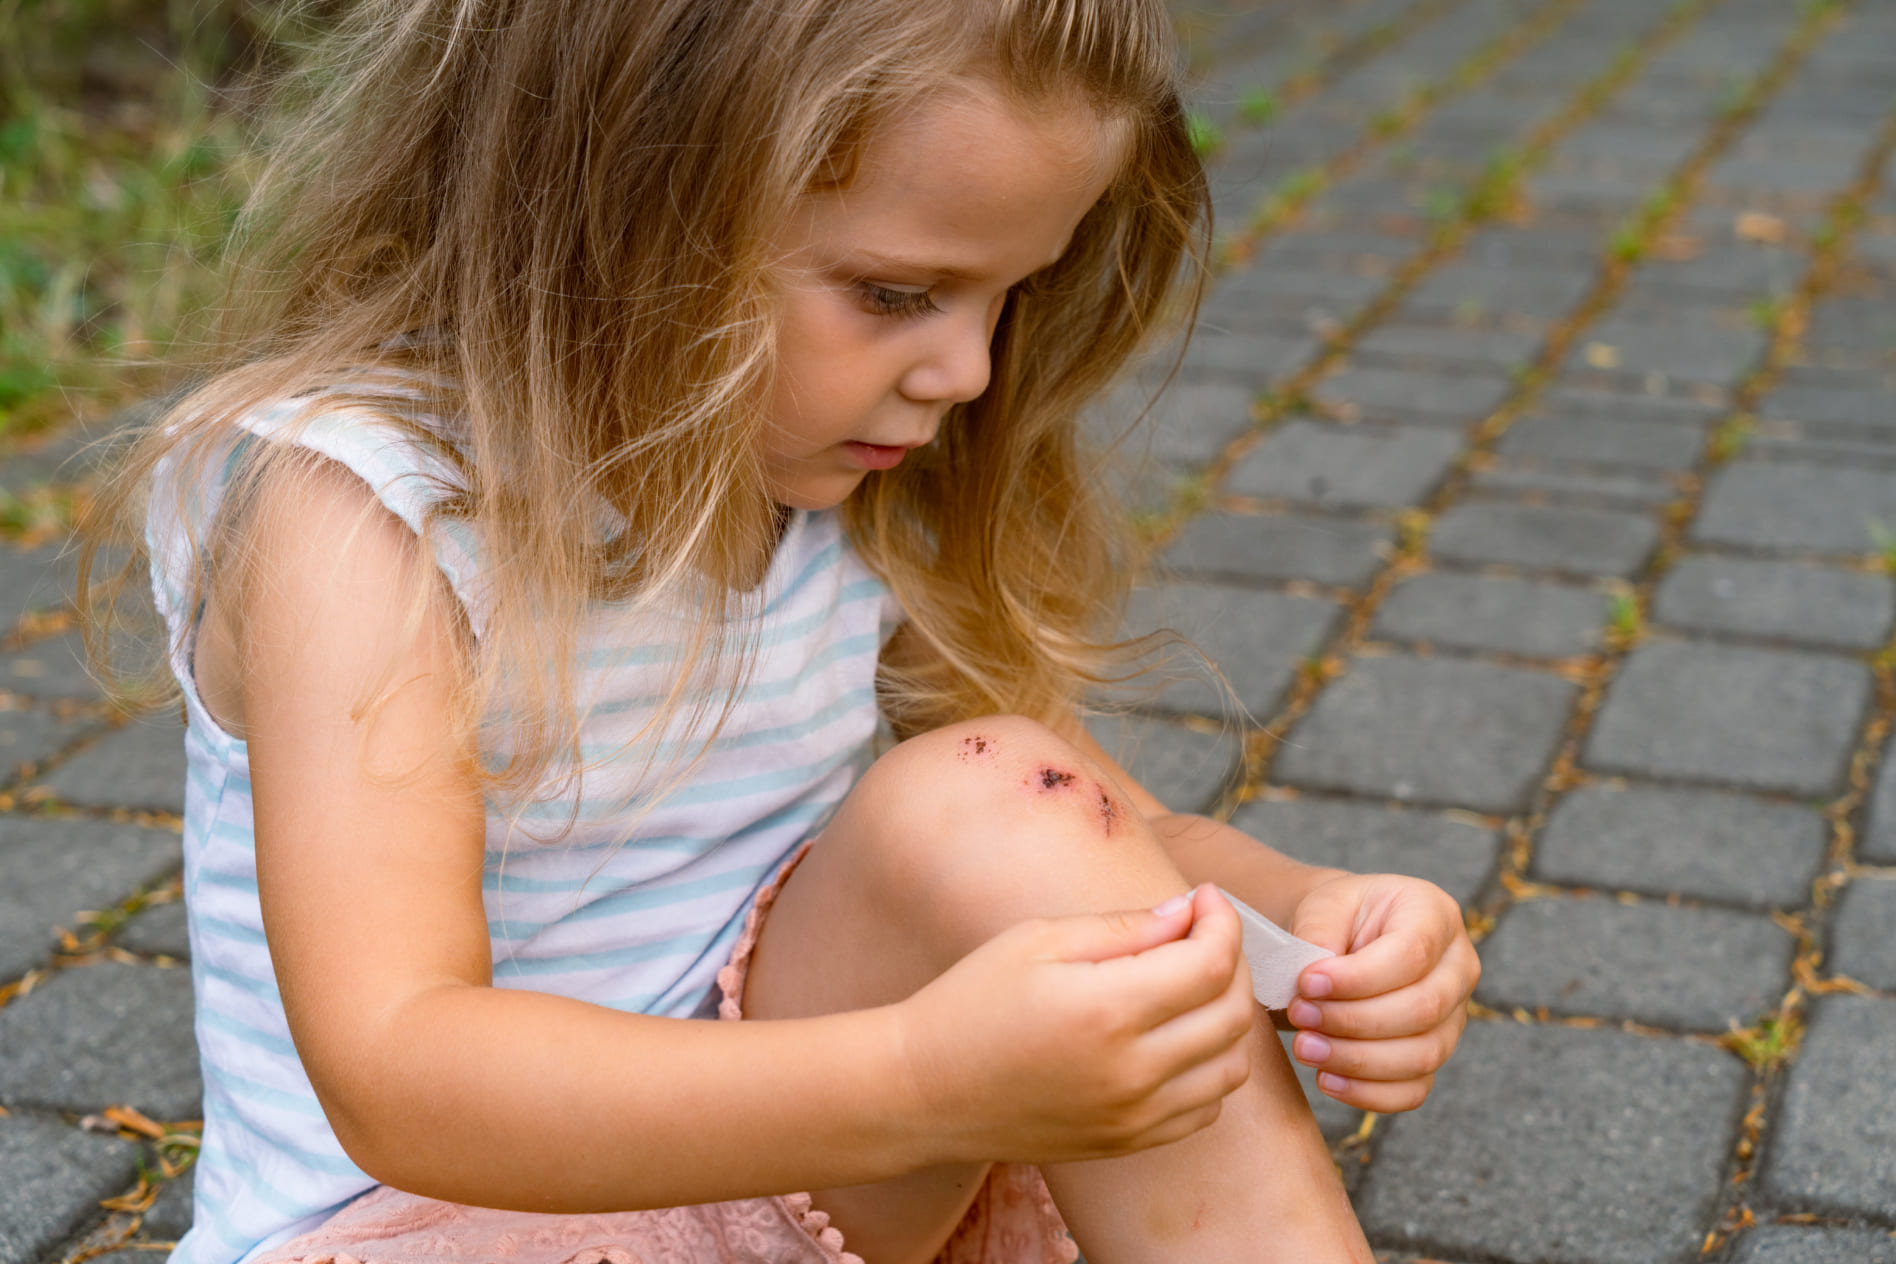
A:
(628, 404)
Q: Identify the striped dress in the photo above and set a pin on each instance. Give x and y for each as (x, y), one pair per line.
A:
(636, 919)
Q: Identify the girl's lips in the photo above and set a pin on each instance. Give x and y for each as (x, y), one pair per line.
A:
(875, 456)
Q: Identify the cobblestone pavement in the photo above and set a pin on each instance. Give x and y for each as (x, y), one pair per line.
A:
(1532, 478)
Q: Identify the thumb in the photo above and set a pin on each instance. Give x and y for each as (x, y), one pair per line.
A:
(1327, 923)
(1121, 933)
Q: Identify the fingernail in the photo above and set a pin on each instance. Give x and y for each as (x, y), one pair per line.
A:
(1331, 1083)
(1311, 1048)
(1177, 904)
(1304, 1014)
(1315, 984)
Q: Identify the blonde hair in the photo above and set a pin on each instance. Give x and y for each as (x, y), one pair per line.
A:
(548, 223)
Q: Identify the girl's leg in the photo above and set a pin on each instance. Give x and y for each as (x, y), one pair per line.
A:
(946, 841)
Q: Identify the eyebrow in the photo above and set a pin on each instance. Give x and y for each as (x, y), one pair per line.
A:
(871, 260)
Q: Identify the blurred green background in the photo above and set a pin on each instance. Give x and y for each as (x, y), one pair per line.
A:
(123, 128)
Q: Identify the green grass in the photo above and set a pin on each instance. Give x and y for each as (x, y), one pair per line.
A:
(1207, 137)
(1258, 106)
(121, 173)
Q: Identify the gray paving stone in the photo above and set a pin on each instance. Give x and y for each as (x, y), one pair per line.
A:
(1433, 396)
(170, 1216)
(1479, 612)
(53, 668)
(103, 1035)
(1689, 969)
(1544, 537)
(1621, 489)
(1470, 289)
(1755, 505)
(1346, 467)
(1517, 246)
(1453, 853)
(1252, 360)
(28, 737)
(1799, 1244)
(1259, 296)
(1877, 843)
(1237, 547)
(1704, 844)
(1774, 720)
(140, 766)
(57, 868)
(1853, 323)
(1256, 639)
(1430, 731)
(1571, 402)
(32, 579)
(1682, 353)
(1862, 409)
(1362, 253)
(1422, 346)
(1188, 424)
(1863, 934)
(1565, 1146)
(160, 930)
(1634, 443)
(1833, 1144)
(1735, 274)
(52, 1177)
(1787, 601)
(1186, 769)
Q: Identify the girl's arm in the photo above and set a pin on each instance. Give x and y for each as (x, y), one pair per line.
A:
(369, 853)
(369, 837)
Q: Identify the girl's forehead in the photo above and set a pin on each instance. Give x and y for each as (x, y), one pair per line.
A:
(970, 181)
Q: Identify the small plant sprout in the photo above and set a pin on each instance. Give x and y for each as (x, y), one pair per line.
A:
(1883, 539)
(1765, 311)
(1207, 137)
(1731, 437)
(1258, 106)
(1768, 1043)
(1625, 618)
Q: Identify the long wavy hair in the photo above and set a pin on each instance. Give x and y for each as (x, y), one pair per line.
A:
(536, 234)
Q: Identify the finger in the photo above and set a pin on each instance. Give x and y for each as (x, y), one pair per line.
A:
(1155, 986)
(1206, 1084)
(1391, 1061)
(1383, 1098)
(1408, 1011)
(1415, 939)
(1102, 936)
(1203, 1033)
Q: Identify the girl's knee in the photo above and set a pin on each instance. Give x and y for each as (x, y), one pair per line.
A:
(994, 809)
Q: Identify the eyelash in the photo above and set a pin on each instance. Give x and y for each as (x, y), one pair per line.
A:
(900, 304)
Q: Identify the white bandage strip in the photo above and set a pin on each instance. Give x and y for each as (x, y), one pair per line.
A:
(1277, 957)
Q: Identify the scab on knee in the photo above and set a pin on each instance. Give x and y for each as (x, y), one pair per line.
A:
(1051, 779)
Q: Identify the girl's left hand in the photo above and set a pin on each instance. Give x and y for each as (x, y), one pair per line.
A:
(1381, 1016)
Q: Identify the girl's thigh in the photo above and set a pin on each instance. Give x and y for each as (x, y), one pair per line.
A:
(946, 841)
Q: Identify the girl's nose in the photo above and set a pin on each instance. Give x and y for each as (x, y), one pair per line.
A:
(955, 366)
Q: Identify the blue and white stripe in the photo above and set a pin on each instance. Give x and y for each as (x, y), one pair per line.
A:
(638, 919)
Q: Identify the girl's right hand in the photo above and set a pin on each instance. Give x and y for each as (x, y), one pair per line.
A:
(1084, 1037)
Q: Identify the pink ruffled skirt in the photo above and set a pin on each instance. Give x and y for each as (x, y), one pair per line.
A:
(1012, 1219)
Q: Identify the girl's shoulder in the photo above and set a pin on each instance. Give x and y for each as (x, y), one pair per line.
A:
(385, 431)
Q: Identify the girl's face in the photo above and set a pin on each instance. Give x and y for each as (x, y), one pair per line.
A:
(892, 286)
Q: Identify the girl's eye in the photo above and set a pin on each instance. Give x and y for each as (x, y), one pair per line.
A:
(881, 300)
